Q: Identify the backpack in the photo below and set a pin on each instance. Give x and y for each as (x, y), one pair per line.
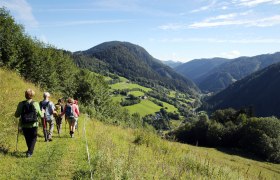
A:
(69, 111)
(28, 114)
(44, 106)
(58, 109)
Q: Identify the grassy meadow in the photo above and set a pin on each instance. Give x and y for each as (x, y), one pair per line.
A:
(126, 85)
(115, 152)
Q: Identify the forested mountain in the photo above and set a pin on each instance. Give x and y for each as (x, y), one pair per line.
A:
(259, 91)
(172, 64)
(133, 62)
(196, 68)
(222, 76)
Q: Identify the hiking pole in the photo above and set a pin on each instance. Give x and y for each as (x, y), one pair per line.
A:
(65, 124)
(45, 128)
(78, 127)
(17, 138)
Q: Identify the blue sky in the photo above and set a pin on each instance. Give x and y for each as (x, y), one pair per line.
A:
(180, 30)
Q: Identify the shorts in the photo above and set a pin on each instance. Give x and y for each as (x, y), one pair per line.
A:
(71, 120)
(58, 120)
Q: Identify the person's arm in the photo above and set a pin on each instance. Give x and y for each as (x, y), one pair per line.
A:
(77, 110)
(38, 110)
(63, 112)
(19, 109)
(53, 108)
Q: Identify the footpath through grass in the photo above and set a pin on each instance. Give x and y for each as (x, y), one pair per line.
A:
(118, 153)
(63, 158)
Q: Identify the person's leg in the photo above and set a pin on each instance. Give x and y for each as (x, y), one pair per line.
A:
(51, 126)
(73, 126)
(44, 123)
(30, 135)
(33, 139)
(70, 128)
(25, 133)
(58, 124)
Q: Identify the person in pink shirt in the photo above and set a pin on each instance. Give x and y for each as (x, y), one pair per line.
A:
(76, 123)
(71, 112)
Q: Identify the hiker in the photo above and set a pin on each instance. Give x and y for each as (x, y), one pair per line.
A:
(48, 109)
(71, 112)
(76, 123)
(29, 113)
(58, 118)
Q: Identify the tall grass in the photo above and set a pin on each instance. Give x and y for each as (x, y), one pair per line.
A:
(116, 152)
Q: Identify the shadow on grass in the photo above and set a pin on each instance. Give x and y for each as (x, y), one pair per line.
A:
(241, 153)
(16, 154)
(81, 174)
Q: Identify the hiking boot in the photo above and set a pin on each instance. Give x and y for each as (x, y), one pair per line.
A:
(28, 155)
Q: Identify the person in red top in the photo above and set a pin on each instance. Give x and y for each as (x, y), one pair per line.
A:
(71, 112)
(76, 123)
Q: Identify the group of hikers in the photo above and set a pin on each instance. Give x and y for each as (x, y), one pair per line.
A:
(32, 112)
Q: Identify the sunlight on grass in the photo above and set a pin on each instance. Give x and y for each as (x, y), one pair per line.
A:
(124, 85)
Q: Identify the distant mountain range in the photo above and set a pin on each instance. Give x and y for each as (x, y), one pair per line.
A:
(214, 75)
(199, 67)
(259, 90)
(171, 63)
(133, 62)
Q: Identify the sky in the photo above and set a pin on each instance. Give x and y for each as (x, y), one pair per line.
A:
(179, 30)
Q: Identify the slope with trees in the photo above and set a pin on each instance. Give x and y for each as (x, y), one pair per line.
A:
(259, 91)
(222, 76)
(197, 68)
(135, 63)
(172, 64)
(214, 75)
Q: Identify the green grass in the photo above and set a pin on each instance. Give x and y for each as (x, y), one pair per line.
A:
(116, 152)
(144, 107)
(172, 94)
(137, 93)
(123, 79)
(125, 85)
(107, 78)
(118, 98)
(170, 108)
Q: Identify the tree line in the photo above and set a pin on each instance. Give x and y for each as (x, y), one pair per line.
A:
(233, 129)
(54, 70)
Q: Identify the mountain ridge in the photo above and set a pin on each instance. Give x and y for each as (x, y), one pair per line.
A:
(258, 91)
(222, 75)
(135, 63)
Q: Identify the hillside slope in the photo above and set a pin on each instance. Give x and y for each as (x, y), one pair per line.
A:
(259, 91)
(227, 73)
(197, 68)
(172, 64)
(116, 152)
(135, 63)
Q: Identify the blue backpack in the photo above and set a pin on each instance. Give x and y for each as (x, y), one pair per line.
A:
(69, 113)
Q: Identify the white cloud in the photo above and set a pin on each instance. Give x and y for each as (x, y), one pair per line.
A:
(22, 10)
(251, 3)
(237, 19)
(231, 54)
(204, 8)
(175, 26)
(226, 20)
(215, 40)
